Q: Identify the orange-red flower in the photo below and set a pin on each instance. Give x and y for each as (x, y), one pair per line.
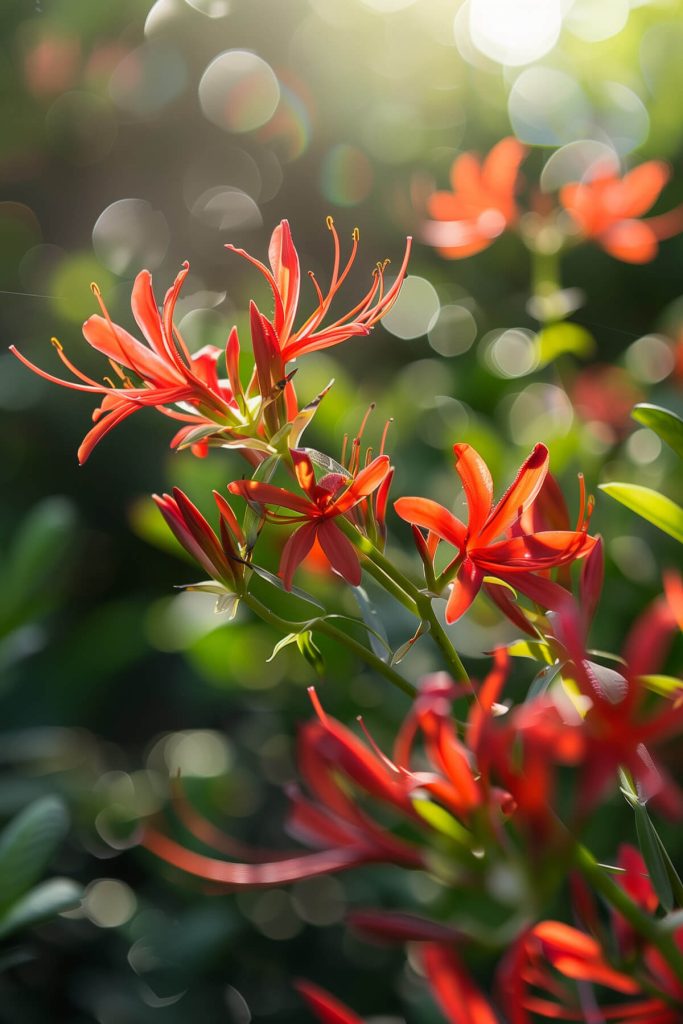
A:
(608, 209)
(163, 370)
(284, 277)
(482, 204)
(517, 560)
(323, 500)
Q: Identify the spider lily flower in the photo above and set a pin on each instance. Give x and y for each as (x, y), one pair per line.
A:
(342, 776)
(517, 560)
(223, 557)
(284, 278)
(482, 204)
(159, 372)
(608, 208)
(315, 511)
(550, 960)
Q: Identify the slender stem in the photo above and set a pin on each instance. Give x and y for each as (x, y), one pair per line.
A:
(641, 922)
(381, 568)
(440, 637)
(328, 629)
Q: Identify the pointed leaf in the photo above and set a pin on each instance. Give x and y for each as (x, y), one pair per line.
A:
(400, 652)
(311, 652)
(665, 423)
(649, 504)
(542, 681)
(40, 904)
(651, 849)
(291, 638)
(376, 631)
(27, 845)
(275, 581)
(665, 686)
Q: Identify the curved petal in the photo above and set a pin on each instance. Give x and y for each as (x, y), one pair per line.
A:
(519, 495)
(500, 170)
(269, 494)
(364, 483)
(117, 344)
(146, 312)
(327, 1009)
(534, 551)
(433, 517)
(340, 552)
(103, 426)
(640, 188)
(284, 262)
(295, 550)
(457, 995)
(632, 241)
(305, 474)
(465, 588)
(477, 484)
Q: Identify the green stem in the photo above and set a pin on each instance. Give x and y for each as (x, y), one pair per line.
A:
(325, 627)
(645, 925)
(440, 637)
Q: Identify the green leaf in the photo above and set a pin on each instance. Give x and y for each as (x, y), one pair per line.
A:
(440, 820)
(311, 652)
(531, 649)
(378, 636)
(542, 681)
(649, 504)
(40, 904)
(291, 638)
(665, 686)
(666, 424)
(368, 629)
(27, 845)
(400, 652)
(651, 849)
(275, 581)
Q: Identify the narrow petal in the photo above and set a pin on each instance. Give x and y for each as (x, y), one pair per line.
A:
(477, 484)
(632, 241)
(284, 262)
(269, 494)
(534, 551)
(305, 474)
(500, 170)
(364, 483)
(465, 588)
(519, 495)
(434, 517)
(457, 995)
(640, 188)
(102, 427)
(117, 344)
(295, 550)
(277, 872)
(327, 1009)
(340, 552)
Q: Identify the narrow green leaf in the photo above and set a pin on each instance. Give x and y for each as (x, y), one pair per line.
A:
(655, 507)
(400, 652)
(368, 629)
(291, 638)
(311, 652)
(531, 649)
(651, 849)
(665, 686)
(665, 423)
(543, 679)
(275, 581)
(40, 904)
(27, 845)
(440, 820)
(252, 522)
(378, 636)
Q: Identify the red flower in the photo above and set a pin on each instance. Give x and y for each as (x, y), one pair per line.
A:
(481, 205)
(607, 209)
(165, 371)
(223, 558)
(333, 495)
(516, 560)
(284, 278)
(326, 1008)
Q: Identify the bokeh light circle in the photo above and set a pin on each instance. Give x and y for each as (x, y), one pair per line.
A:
(227, 209)
(548, 107)
(454, 331)
(346, 175)
(415, 311)
(130, 234)
(594, 22)
(581, 160)
(239, 91)
(148, 79)
(211, 8)
(515, 33)
(650, 359)
(510, 353)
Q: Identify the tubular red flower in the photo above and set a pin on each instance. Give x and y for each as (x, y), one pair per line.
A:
(284, 277)
(516, 560)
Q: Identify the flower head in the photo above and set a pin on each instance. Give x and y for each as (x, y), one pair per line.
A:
(608, 209)
(284, 277)
(481, 204)
(315, 511)
(516, 560)
(158, 372)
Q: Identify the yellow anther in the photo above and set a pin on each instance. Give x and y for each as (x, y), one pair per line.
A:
(57, 344)
(355, 234)
(95, 289)
(330, 222)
